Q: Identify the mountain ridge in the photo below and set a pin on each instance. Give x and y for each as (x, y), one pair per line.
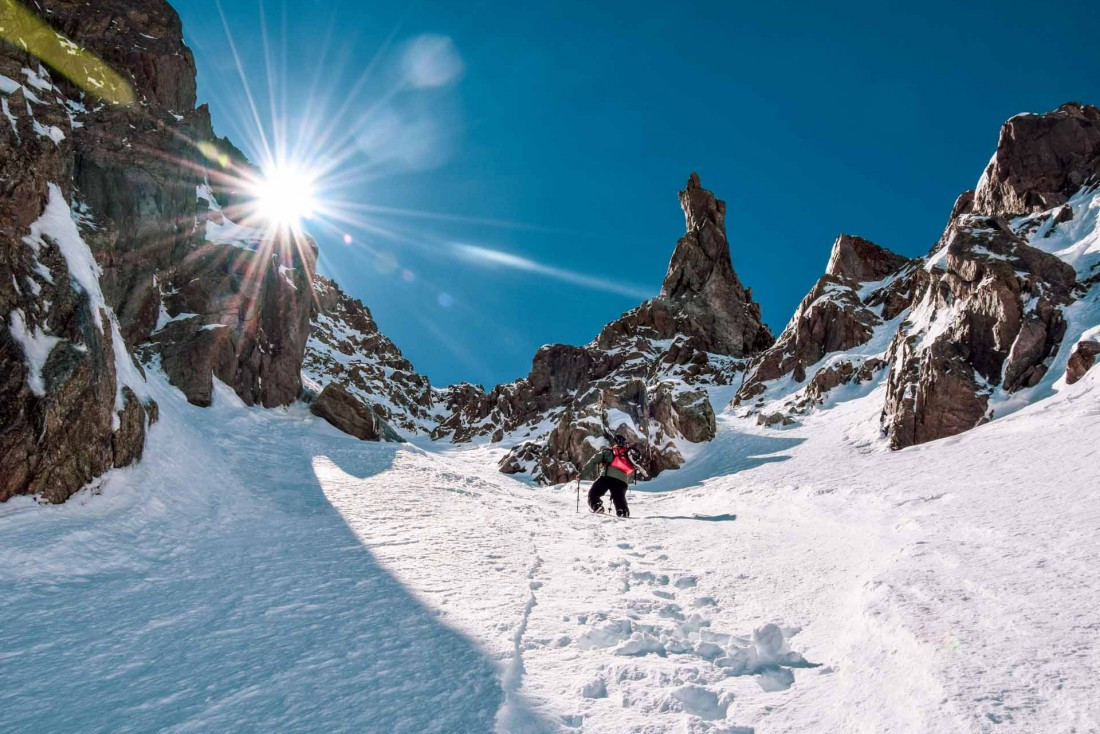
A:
(125, 246)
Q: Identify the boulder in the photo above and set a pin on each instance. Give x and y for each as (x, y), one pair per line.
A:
(351, 415)
(1081, 360)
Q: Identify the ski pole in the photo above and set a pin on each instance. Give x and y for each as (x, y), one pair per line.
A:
(578, 495)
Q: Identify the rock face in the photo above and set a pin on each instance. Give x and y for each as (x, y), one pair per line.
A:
(988, 313)
(345, 411)
(346, 348)
(979, 319)
(647, 375)
(1041, 161)
(240, 315)
(112, 242)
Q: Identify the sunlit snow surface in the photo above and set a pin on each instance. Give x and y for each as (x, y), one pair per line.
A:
(260, 571)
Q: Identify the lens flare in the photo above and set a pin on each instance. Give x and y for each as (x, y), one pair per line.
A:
(285, 196)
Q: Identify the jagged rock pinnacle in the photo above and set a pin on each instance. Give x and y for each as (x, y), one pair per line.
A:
(701, 283)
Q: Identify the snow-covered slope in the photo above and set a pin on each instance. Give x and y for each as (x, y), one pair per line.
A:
(261, 570)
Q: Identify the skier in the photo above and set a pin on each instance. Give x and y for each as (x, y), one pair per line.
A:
(615, 464)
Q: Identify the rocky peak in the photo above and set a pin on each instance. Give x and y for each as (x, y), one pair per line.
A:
(701, 266)
(347, 351)
(1041, 160)
(701, 296)
(700, 206)
(854, 258)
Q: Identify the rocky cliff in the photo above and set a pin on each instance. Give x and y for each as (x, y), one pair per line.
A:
(112, 242)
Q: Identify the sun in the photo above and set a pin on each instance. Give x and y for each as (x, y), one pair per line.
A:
(285, 195)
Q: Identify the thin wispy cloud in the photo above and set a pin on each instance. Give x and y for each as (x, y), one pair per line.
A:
(487, 256)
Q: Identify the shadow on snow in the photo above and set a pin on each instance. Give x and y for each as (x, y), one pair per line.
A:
(243, 604)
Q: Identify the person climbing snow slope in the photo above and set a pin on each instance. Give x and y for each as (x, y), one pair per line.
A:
(613, 467)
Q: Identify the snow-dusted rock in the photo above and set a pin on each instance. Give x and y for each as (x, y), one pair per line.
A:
(840, 312)
(346, 348)
(1081, 360)
(988, 313)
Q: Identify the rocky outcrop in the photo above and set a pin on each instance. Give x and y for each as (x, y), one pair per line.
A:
(72, 400)
(701, 297)
(346, 348)
(1081, 360)
(856, 260)
(346, 412)
(645, 376)
(987, 315)
(106, 248)
(1041, 160)
(239, 315)
(981, 317)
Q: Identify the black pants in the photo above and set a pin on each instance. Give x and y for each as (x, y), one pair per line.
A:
(618, 495)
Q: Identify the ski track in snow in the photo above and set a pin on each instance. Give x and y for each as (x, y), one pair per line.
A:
(261, 571)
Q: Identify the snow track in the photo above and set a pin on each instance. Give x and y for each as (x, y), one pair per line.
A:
(260, 571)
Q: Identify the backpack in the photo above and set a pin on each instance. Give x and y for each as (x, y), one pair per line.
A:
(622, 460)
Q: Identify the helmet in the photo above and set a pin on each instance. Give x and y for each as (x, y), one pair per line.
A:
(619, 440)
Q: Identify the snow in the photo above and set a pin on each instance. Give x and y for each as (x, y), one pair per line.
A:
(203, 590)
(1076, 241)
(163, 318)
(617, 418)
(221, 230)
(48, 131)
(260, 570)
(11, 118)
(36, 345)
(38, 79)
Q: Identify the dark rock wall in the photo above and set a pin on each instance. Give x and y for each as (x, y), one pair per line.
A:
(128, 174)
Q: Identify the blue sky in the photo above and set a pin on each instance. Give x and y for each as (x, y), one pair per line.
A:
(509, 170)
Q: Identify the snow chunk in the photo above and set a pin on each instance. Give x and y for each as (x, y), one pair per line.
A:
(10, 116)
(38, 79)
(221, 230)
(699, 701)
(595, 688)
